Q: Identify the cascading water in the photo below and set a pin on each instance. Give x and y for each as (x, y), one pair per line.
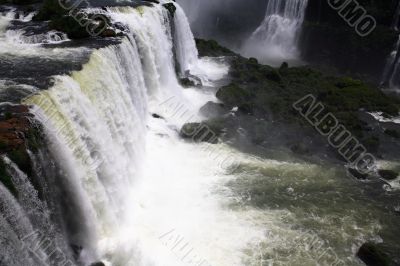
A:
(185, 46)
(276, 38)
(96, 122)
(121, 186)
(391, 74)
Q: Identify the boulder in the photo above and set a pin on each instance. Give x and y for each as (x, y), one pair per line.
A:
(202, 132)
(98, 264)
(233, 95)
(388, 174)
(171, 8)
(354, 172)
(372, 255)
(212, 109)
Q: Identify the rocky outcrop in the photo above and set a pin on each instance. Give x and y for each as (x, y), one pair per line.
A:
(372, 255)
(388, 174)
(262, 97)
(328, 40)
(18, 134)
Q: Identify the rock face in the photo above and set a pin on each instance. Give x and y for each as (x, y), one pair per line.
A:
(18, 133)
(14, 127)
(202, 132)
(372, 255)
(262, 97)
(388, 174)
(98, 264)
(328, 40)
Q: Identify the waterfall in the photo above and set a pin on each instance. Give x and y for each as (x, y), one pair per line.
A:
(119, 172)
(186, 51)
(276, 38)
(29, 235)
(391, 73)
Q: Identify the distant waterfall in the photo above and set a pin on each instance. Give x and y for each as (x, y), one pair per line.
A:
(391, 75)
(276, 38)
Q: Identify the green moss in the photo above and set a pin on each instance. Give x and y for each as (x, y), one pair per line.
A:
(268, 92)
(233, 95)
(212, 48)
(34, 138)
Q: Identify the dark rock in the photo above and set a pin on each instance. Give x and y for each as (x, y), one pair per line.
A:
(212, 48)
(171, 8)
(157, 116)
(284, 66)
(211, 109)
(393, 133)
(201, 132)
(357, 174)
(253, 60)
(233, 95)
(50, 9)
(109, 33)
(186, 82)
(98, 264)
(17, 133)
(328, 40)
(300, 148)
(372, 255)
(388, 174)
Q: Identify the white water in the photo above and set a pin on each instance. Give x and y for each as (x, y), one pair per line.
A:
(391, 73)
(185, 45)
(27, 224)
(134, 177)
(275, 40)
(147, 196)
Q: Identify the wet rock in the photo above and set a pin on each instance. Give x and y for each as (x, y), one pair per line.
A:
(17, 134)
(201, 132)
(354, 172)
(233, 95)
(212, 109)
(157, 116)
(109, 33)
(98, 264)
(300, 148)
(372, 255)
(387, 174)
(14, 127)
(186, 82)
(171, 8)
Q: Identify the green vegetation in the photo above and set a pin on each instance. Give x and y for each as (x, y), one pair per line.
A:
(264, 91)
(212, 48)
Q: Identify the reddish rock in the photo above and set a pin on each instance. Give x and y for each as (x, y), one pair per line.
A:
(14, 126)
